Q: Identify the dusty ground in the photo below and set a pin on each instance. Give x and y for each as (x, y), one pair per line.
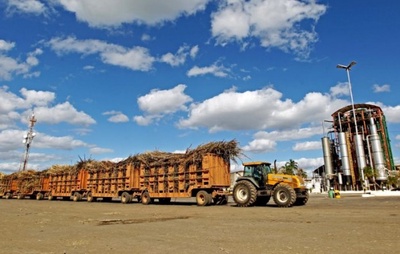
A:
(347, 225)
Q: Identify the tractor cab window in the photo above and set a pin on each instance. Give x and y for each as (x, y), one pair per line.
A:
(257, 171)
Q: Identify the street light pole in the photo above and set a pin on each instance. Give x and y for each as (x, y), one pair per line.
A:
(358, 139)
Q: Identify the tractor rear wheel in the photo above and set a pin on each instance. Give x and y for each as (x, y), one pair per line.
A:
(284, 195)
(244, 194)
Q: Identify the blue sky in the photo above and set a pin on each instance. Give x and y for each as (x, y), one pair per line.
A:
(106, 81)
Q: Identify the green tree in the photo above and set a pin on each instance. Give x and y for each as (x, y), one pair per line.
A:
(369, 173)
(291, 167)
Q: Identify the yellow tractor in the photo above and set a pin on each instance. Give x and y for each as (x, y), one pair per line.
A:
(258, 184)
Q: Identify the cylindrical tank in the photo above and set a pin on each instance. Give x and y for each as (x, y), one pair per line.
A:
(361, 161)
(326, 149)
(343, 154)
(377, 153)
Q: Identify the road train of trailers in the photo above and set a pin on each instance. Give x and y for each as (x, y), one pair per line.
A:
(206, 181)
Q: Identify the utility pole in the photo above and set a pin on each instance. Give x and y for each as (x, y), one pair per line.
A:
(28, 140)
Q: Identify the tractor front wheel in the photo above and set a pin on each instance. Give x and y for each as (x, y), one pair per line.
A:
(284, 195)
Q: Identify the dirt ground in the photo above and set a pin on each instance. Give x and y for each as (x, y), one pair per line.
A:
(351, 224)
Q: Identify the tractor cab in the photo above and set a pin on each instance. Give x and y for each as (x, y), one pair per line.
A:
(257, 170)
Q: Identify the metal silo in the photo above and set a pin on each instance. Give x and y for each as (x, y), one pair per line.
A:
(326, 149)
(377, 153)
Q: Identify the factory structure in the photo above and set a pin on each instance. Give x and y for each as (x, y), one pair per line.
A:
(356, 149)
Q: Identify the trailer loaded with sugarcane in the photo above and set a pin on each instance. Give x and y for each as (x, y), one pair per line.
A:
(202, 173)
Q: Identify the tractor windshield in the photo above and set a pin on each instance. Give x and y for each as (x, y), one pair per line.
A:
(257, 171)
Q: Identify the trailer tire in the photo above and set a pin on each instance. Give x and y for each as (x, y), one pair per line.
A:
(90, 198)
(77, 197)
(8, 195)
(50, 197)
(20, 196)
(244, 194)
(284, 195)
(39, 196)
(203, 198)
(145, 198)
(126, 198)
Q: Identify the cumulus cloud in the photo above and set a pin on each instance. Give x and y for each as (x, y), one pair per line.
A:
(274, 23)
(26, 6)
(381, 88)
(158, 103)
(116, 117)
(341, 89)
(178, 58)
(99, 13)
(135, 58)
(63, 112)
(259, 110)
(260, 146)
(10, 66)
(308, 145)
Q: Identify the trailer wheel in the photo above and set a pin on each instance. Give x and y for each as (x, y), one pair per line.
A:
(50, 197)
(90, 198)
(244, 194)
(145, 198)
(39, 196)
(284, 195)
(126, 198)
(77, 197)
(8, 195)
(20, 196)
(203, 198)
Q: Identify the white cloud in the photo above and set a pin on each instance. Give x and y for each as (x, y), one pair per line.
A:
(63, 112)
(6, 46)
(340, 89)
(259, 110)
(38, 98)
(308, 145)
(99, 13)
(381, 88)
(194, 51)
(99, 150)
(10, 66)
(158, 103)
(216, 70)
(178, 59)
(116, 117)
(135, 58)
(260, 146)
(26, 6)
(293, 134)
(274, 23)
